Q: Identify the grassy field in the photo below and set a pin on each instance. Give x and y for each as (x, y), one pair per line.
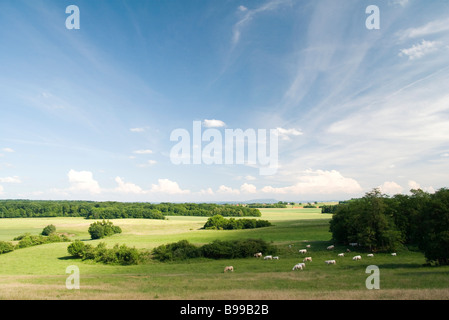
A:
(40, 272)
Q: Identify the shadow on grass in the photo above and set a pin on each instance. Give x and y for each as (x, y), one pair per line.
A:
(400, 265)
(68, 258)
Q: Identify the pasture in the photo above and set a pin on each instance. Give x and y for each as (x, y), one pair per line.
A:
(40, 272)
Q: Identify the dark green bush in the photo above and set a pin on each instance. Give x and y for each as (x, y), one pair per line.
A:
(220, 223)
(180, 250)
(117, 255)
(231, 249)
(218, 249)
(77, 249)
(99, 230)
(48, 230)
(6, 247)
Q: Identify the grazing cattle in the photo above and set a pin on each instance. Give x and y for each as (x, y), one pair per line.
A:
(268, 257)
(308, 246)
(297, 267)
(302, 251)
(393, 254)
(276, 258)
(330, 247)
(307, 259)
(229, 268)
(258, 255)
(330, 262)
(357, 258)
(341, 254)
(370, 255)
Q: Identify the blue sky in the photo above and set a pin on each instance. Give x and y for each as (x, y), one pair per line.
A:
(88, 113)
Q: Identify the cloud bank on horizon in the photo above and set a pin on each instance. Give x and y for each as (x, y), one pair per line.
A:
(88, 113)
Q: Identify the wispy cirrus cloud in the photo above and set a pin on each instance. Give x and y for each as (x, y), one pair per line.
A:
(143, 151)
(250, 14)
(430, 28)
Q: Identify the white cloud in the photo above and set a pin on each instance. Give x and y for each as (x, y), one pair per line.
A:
(285, 134)
(207, 191)
(145, 151)
(168, 187)
(420, 50)
(227, 190)
(7, 150)
(147, 164)
(83, 181)
(1, 190)
(137, 129)
(391, 188)
(250, 178)
(127, 187)
(14, 179)
(430, 28)
(248, 188)
(413, 185)
(242, 8)
(318, 182)
(213, 123)
(402, 3)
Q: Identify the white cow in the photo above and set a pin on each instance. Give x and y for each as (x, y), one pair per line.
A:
(258, 255)
(302, 251)
(276, 258)
(308, 246)
(393, 254)
(330, 247)
(268, 257)
(357, 258)
(229, 268)
(370, 255)
(330, 262)
(307, 259)
(341, 254)
(297, 267)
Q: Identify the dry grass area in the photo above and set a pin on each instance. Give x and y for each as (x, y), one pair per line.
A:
(139, 287)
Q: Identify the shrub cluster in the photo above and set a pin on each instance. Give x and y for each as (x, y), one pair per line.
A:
(99, 230)
(28, 240)
(218, 249)
(220, 223)
(119, 254)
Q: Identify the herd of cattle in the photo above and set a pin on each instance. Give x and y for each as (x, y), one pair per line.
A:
(302, 265)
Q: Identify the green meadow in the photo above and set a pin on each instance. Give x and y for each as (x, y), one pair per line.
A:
(40, 272)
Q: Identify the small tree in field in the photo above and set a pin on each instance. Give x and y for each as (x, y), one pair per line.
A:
(98, 230)
(48, 230)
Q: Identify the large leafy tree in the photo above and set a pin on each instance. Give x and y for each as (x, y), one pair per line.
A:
(433, 234)
(367, 222)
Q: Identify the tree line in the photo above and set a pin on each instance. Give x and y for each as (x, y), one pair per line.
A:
(117, 210)
(382, 223)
